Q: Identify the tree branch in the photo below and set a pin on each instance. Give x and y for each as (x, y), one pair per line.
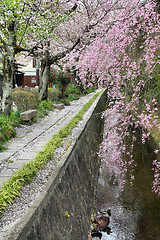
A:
(59, 56)
(4, 44)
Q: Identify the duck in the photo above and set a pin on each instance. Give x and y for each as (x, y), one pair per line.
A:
(105, 213)
(101, 220)
(96, 234)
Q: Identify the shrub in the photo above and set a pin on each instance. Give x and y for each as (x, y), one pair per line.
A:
(65, 101)
(53, 93)
(7, 124)
(62, 79)
(72, 89)
(2, 136)
(14, 118)
(48, 105)
(25, 98)
(8, 131)
(44, 107)
(70, 98)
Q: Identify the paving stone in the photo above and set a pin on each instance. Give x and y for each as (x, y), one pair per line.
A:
(5, 155)
(3, 180)
(27, 155)
(46, 138)
(29, 138)
(44, 132)
(17, 164)
(40, 144)
(36, 149)
(6, 173)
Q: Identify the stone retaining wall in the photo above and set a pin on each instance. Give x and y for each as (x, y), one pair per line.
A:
(62, 210)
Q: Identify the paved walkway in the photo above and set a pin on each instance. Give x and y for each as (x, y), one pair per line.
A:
(22, 150)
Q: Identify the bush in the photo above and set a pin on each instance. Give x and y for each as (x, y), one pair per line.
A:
(89, 90)
(44, 107)
(14, 118)
(25, 98)
(62, 79)
(53, 93)
(7, 130)
(48, 105)
(65, 101)
(2, 136)
(72, 89)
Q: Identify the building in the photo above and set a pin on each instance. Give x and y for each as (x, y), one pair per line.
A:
(30, 72)
(24, 75)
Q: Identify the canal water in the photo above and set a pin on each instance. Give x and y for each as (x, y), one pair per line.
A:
(136, 212)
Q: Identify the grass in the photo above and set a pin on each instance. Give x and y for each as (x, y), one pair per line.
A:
(25, 175)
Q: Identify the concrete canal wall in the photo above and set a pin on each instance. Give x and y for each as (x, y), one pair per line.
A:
(62, 210)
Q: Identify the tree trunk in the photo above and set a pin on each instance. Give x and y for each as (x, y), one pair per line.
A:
(43, 89)
(8, 70)
(45, 69)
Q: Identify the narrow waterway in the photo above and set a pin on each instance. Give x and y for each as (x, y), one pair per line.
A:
(136, 213)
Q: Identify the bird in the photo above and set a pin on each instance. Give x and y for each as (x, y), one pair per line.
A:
(96, 234)
(108, 212)
(101, 221)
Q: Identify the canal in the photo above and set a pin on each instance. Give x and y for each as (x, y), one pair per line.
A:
(136, 212)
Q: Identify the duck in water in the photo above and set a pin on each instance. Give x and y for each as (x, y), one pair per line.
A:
(100, 223)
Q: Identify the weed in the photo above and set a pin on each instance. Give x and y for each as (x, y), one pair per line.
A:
(29, 131)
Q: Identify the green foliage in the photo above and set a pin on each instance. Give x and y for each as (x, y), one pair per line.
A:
(73, 89)
(89, 90)
(151, 89)
(14, 118)
(53, 93)
(2, 148)
(60, 78)
(70, 98)
(156, 77)
(23, 176)
(44, 107)
(25, 98)
(7, 130)
(48, 105)
(73, 92)
(65, 101)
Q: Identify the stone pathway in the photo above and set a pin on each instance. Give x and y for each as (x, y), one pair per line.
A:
(22, 150)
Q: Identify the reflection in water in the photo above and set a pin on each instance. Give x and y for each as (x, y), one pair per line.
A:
(136, 214)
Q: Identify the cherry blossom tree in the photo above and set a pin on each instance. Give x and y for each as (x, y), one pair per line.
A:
(73, 33)
(118, 47)
(122, 53)
(111, 43)
(19, 21)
